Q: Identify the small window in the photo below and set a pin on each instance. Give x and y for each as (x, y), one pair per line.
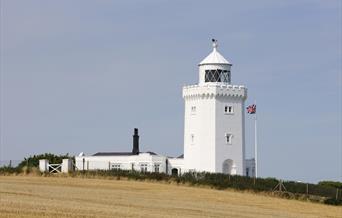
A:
(143, 168)
(193, 109)
(156, 168)
(116, 166)
(192, 138)
(228, 138)
(228, 110)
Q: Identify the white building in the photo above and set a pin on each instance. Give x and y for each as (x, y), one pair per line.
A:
(214, 132)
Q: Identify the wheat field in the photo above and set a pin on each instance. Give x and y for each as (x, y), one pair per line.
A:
(34, 196)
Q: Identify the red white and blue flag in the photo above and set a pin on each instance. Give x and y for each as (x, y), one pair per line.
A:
(251, 109)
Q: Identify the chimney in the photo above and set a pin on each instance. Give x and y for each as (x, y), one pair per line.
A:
(135, 142)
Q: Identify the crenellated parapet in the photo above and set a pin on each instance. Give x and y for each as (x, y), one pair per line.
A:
(214, 90)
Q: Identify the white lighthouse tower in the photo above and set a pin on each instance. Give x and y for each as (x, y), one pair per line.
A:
(214, 137)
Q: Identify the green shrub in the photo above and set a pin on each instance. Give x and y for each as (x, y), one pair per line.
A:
(9, 170)
(333, 201)
(31, 164)
(33, 161)
(331, 184)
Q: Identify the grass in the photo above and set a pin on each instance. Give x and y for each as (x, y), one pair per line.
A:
(34, 196)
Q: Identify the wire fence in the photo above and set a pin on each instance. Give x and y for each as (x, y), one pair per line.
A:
(216, 180)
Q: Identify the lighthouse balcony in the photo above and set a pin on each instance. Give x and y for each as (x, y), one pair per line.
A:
(214, 90)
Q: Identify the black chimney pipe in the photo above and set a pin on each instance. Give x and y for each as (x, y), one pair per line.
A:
(135, 142)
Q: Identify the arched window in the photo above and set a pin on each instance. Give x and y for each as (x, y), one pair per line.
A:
(174, 172)
(227, 166)
(217, 75)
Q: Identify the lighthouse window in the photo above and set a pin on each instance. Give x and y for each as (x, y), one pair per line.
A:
(193, 109)
(217, 75)
(192, 138)
(228, 138)
(228, 110)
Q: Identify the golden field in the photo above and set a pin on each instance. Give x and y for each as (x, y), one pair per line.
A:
(34, 196)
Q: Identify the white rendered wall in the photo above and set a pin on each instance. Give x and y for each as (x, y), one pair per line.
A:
(175, 163)
(66, 165)
(230, 123)
(209, 124)
(199, 154)
(128, 162)
(43, 165)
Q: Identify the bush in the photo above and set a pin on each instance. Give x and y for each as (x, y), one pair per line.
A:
(31, 164)
(134, 175)
(331, 184)
(333, 201)
(9, 170)
(33, 161)
(222, 181)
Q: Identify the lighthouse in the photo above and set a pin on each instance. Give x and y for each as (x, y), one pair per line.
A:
(214, 133)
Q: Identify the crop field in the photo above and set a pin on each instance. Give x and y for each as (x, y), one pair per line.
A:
(34, 196)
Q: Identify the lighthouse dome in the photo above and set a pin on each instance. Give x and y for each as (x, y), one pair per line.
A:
(214, 57)
(214, 68)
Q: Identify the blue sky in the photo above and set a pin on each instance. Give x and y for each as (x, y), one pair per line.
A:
(80, 75)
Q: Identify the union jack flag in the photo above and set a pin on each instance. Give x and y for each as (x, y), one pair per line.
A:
(251, 109)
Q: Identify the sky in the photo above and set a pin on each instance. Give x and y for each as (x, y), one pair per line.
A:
(78, 76)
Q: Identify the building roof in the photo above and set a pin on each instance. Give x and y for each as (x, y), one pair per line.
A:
(120, 153)
(214, 57)
(150, 152)
(113, 154)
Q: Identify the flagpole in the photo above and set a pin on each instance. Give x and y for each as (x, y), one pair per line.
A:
(256, 143)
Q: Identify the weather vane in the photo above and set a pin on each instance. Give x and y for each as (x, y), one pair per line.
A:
(215, 44)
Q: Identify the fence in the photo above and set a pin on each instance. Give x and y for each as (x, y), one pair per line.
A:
(313, 189)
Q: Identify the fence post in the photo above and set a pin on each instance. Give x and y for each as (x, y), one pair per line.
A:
(66, 165)
(336, 193)
(307, 188)
(44, 165)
